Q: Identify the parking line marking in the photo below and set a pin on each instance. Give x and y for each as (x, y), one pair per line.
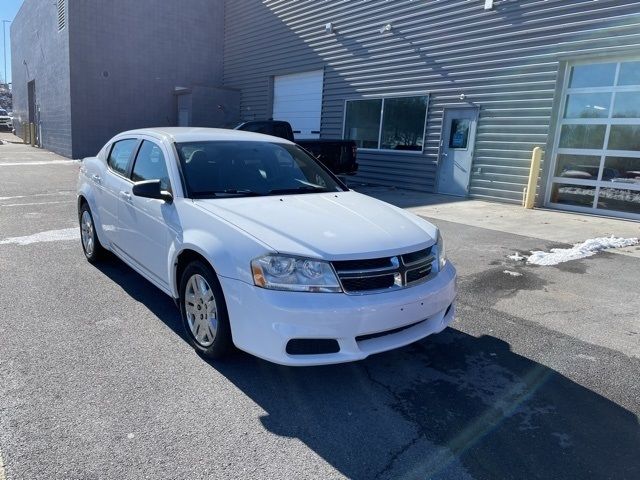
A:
(54, 194)
(39, 162)
(35, 203)
(64, 234)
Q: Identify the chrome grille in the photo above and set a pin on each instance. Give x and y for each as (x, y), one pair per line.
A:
(388, 273)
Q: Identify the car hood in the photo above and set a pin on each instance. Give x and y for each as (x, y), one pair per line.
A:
(331, 226)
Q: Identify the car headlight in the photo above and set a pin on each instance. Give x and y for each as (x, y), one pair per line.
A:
(283, 272)
(442, 256)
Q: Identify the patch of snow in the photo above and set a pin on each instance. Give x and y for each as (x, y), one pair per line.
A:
(579, 250)
(47, 236)
(517, 257)
(513, 274)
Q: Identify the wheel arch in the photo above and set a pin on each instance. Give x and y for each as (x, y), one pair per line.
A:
(182, 259)
(86, 196)
(81, 200)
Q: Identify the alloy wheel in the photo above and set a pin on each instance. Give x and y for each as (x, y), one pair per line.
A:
(201, 309)
(86, 232)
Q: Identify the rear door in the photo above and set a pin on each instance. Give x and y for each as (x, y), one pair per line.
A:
(112, 185)
(297, 99)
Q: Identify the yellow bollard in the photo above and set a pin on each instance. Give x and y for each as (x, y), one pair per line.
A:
(536, 159)
(25, 132)
(32, 134)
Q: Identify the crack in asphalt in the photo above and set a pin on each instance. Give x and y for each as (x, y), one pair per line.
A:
(392, 459)
(387, 468)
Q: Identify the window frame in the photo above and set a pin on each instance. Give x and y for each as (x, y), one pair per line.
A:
(132, 156)
(134, 160)
(380, 127)
(565, 91)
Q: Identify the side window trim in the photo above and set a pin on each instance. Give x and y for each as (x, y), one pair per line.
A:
(134, 152)
(132, 160)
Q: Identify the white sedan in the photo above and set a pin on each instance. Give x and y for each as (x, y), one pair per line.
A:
(262, 247)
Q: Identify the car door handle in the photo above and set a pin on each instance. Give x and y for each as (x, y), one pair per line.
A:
(96, 178)
(126, 196)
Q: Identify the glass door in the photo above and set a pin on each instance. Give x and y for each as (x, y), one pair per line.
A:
(596, 162)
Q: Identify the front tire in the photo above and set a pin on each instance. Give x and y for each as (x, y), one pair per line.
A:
(90, 244)
(204, 311)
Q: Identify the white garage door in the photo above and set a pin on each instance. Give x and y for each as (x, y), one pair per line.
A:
(297, 99)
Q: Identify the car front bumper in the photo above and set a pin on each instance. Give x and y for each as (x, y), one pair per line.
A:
(263, 321)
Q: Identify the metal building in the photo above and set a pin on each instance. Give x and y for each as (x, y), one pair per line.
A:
(452, 96)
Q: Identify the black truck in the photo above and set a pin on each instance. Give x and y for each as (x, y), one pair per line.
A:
(339, 156)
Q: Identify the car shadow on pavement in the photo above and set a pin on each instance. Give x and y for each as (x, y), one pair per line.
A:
(450, 406)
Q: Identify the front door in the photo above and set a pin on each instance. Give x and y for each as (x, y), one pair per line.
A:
(145, 224)
(456, 151)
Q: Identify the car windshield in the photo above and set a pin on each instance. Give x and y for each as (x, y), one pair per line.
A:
(240, 168)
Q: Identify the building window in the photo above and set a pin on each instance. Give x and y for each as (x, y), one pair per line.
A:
(596, 163)
(62, 17)
(393, 123)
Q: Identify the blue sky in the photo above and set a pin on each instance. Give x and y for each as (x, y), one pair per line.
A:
(8, 10)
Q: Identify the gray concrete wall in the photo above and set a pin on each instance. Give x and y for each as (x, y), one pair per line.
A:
(127, 58)
(40, 52)
(505, 61)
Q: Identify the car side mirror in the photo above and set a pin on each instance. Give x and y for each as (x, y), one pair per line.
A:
(151, 189)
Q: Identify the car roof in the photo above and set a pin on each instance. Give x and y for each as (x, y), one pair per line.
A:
(200, 134)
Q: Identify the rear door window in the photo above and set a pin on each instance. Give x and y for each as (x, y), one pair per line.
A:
(121, 154)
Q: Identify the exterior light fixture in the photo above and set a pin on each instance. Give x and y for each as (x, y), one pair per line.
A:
(328, 28)
(386, 28)
(488, 4)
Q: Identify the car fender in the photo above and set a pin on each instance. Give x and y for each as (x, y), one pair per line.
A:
(227, 262)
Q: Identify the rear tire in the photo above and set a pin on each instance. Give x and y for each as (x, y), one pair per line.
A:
(91, 246)
(204, 311)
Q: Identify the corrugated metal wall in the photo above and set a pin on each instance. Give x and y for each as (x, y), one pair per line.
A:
(505, 60)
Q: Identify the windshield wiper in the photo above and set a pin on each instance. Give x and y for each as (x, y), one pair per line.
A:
(230, 191)
(303, 189)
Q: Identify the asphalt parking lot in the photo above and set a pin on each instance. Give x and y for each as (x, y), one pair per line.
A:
(539, 377)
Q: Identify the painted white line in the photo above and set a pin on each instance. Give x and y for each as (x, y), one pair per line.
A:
(54, 194)
(28, 152)
(49, 162)
(35, 203)
(62, 235)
